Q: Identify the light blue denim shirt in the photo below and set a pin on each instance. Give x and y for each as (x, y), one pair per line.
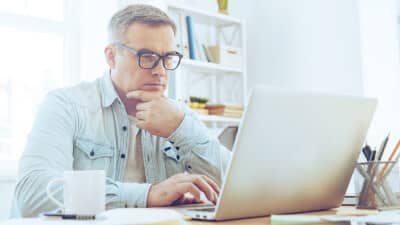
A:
(87, 127)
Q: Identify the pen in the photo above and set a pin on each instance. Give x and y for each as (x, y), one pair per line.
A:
(366, 152)
(71, 216)
(78, 217)
(372, 156)
(383, 147)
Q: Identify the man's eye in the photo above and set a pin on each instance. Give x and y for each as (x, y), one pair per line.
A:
(149, 57)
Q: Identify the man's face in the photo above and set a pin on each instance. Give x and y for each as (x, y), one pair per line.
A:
(129, 76)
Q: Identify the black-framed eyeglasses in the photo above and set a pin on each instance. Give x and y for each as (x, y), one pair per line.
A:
(149, 60)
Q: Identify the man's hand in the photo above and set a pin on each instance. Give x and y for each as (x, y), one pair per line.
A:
(156, 114)
(175, 190)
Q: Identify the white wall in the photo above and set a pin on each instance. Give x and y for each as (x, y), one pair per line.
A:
(308, 44)
(94, 17)
(344, 46)
(380, 56)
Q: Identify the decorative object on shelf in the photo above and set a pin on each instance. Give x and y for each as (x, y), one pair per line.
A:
(225, 110)
(223, 6)
(197, 102)
(226, 55)
(215, 109)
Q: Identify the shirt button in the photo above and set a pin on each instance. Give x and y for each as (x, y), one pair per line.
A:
(189, 167)
(123, 156)
(92, 153)
(178, 157)
(177, 148)
(124, 128)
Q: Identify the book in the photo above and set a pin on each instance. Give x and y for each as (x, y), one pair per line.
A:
(200, 51)
(191, 41)
(184, 37)
(208, 54)
(235, 107)
(215, 109)
(231, 114)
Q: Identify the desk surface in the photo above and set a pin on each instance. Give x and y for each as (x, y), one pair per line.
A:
(345, 211)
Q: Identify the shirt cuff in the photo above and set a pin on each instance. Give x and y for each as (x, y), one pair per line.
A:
(190, 131)
(134, 195)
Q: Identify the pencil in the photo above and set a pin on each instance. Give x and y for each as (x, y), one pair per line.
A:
(394, 151)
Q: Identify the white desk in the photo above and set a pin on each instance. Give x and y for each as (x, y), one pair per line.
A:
(251, 221)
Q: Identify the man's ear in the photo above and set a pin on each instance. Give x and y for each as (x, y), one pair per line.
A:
(110, 53)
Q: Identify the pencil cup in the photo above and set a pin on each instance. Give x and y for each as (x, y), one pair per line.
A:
(378, 185)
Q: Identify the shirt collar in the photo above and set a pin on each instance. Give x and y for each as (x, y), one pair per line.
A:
(109, 93)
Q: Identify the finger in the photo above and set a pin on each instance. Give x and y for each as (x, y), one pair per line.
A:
(141, 115)
(141, 124)
(212, 184)
(201, 184)
(206, 188)
(191, 200)
(144, 96)
(179, 201)
(183, 188)
(186, 199)
(145, 106)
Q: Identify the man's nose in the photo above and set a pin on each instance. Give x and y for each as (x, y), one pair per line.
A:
(159, 69)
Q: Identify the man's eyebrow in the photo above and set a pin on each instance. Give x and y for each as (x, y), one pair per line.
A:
(170, 52)
(145, 50)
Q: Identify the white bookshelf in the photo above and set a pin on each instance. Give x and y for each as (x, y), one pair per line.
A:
(212, 118)
(206, 17)
(200, 66)
(219, 83)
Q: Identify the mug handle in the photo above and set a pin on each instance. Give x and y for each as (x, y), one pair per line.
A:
(50, 194)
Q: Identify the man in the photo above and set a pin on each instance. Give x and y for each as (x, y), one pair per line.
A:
(154, 150)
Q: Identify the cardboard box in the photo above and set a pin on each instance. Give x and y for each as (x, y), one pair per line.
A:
(227, 55)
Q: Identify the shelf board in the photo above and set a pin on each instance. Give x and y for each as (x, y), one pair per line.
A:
(222, 119)
(200, 66)
(206, 17)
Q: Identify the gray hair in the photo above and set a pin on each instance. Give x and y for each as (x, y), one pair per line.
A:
(136, 13)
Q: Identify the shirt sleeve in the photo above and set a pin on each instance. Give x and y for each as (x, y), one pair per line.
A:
(198, 150)
(48, 152)
(128, 195)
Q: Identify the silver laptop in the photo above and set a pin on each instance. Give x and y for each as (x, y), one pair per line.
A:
(295, 151)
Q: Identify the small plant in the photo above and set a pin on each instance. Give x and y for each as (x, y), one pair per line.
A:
(197, 102)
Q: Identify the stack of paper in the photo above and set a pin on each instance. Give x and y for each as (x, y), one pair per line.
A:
(140, 216)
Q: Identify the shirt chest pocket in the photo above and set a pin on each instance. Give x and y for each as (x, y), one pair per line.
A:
(93, 156)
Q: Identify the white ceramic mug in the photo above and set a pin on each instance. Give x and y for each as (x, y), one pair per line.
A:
(84, 192)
